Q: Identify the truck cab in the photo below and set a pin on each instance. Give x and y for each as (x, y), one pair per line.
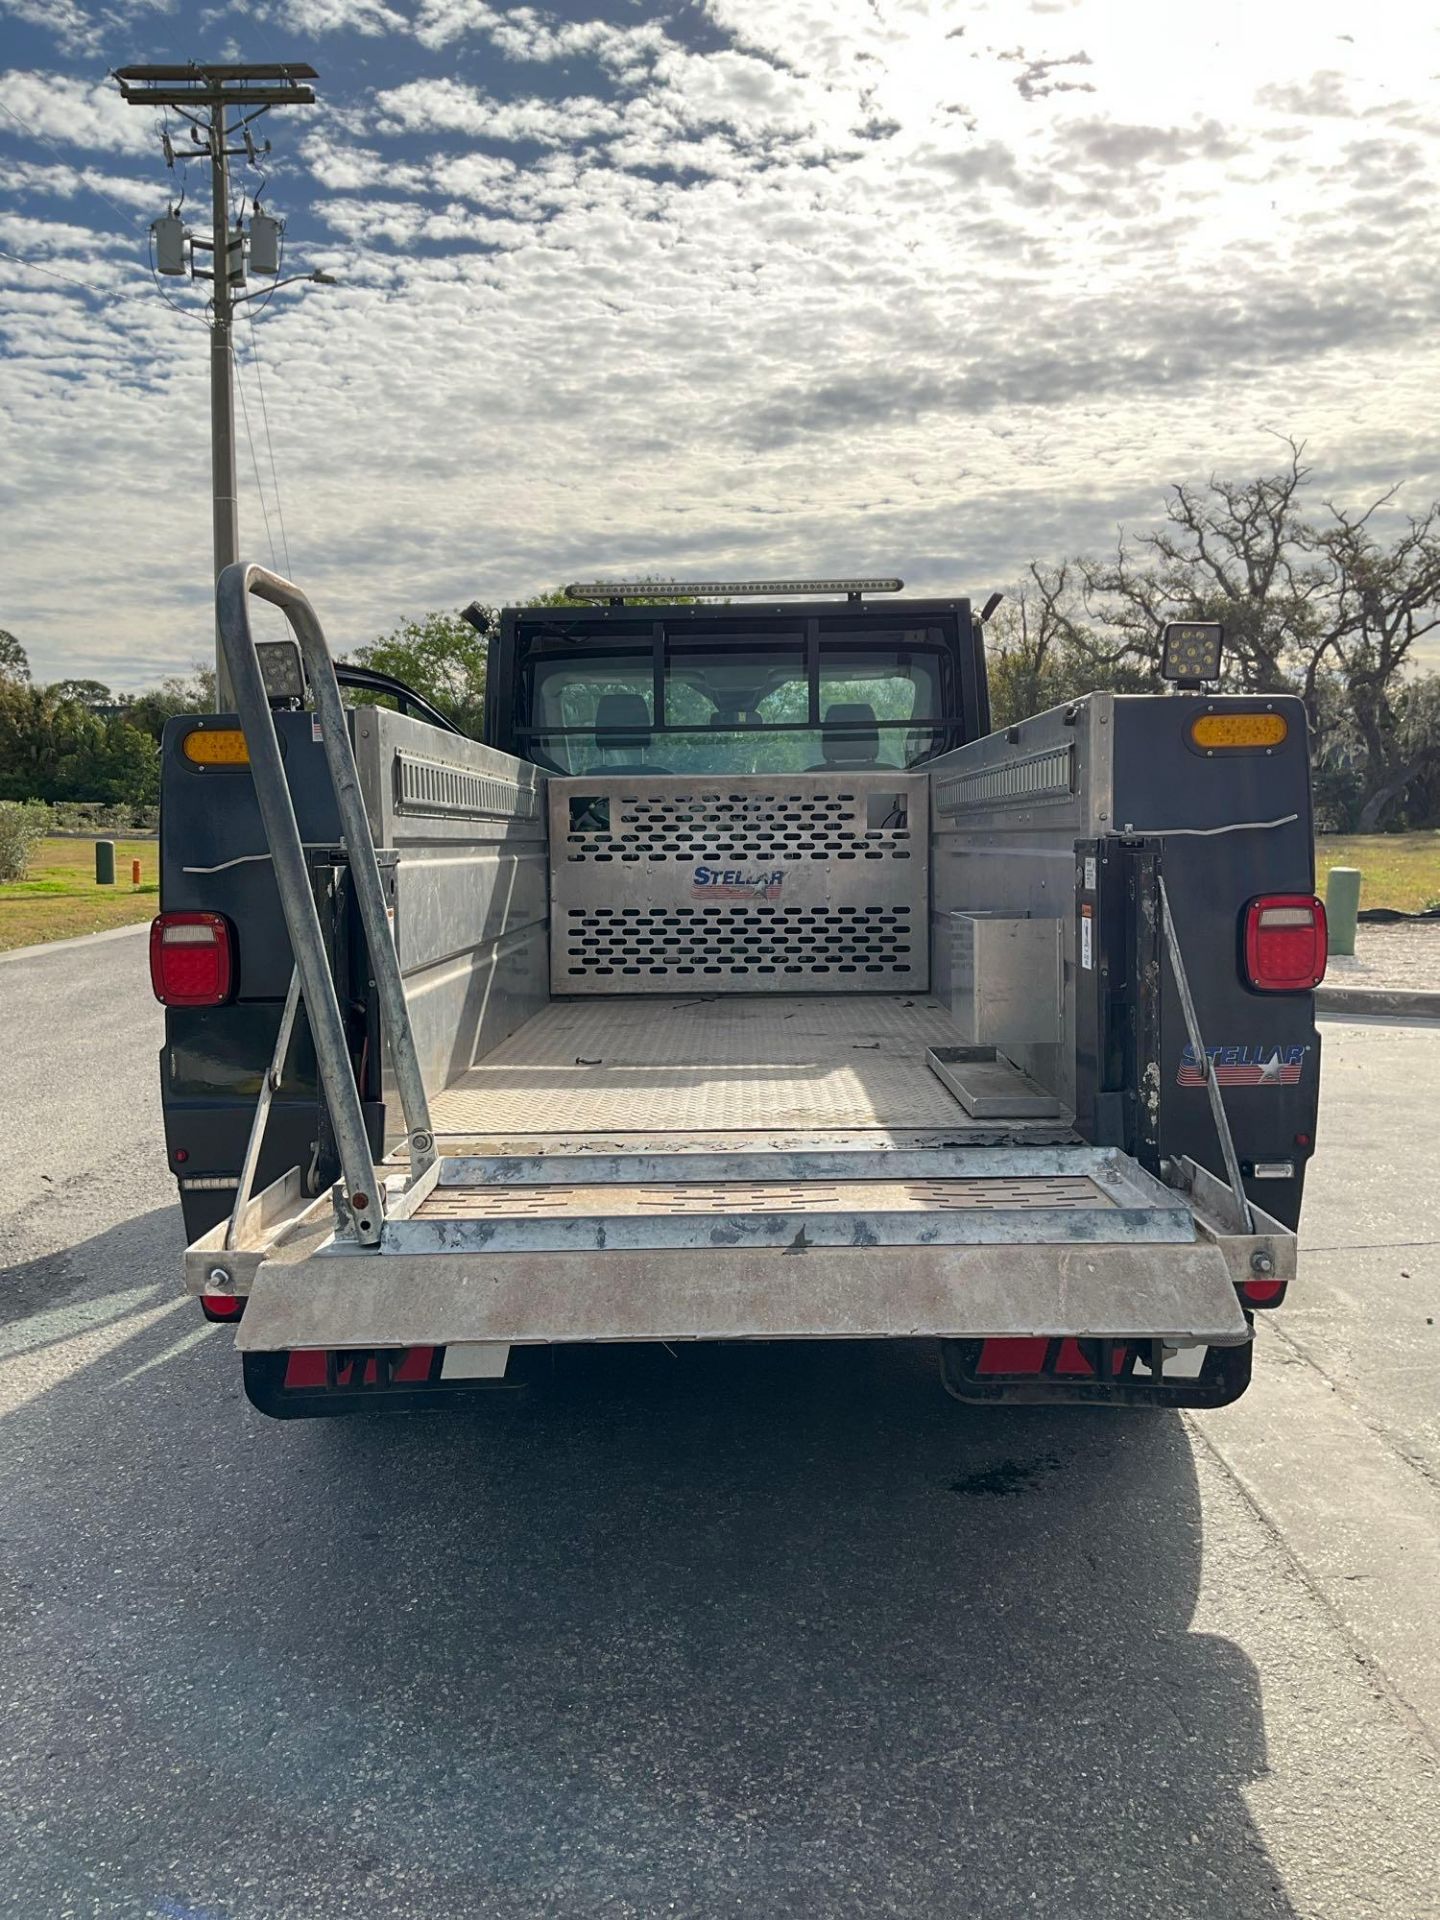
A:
(739, 984)
(740, 687)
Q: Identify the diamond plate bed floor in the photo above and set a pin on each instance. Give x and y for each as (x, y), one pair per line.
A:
(658, 1065)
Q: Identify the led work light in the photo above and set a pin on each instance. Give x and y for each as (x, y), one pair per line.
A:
(1190, 651)
(282, 672)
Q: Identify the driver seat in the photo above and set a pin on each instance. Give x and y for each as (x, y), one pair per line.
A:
(857, 747)
(625, 711)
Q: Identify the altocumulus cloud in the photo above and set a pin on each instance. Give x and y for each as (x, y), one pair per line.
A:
(770, 284)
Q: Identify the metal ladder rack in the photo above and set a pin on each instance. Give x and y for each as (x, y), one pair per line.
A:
(363, 1192)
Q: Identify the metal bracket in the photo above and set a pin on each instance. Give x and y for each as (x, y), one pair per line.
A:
(1254, 1245)
(268, 1089)
(1197, 1042)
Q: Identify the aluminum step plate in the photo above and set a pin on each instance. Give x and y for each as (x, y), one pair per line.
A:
(1176, 1293)
(1071, 1195)
(858, 1197)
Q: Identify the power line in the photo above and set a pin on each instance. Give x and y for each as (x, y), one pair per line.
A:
(36, 267)
(254, 461)
(269, 443)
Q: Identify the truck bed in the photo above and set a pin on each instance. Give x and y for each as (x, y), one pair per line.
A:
(727, 1167)
(716, 1071)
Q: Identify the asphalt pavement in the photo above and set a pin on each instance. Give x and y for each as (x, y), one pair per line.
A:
(779, 1631)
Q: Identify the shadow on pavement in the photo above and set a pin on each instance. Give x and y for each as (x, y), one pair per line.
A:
(742, 1631)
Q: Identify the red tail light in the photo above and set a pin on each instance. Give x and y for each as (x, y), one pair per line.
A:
(1285, 942)
(191, 959)
(222, 1306)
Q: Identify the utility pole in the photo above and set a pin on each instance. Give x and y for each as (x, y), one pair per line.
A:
(224, 490)
(204, 95)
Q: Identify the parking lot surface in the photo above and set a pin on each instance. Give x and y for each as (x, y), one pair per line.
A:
(744, 1631)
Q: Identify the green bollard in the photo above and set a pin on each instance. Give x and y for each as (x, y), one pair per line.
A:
(104, 863)
(1342, 904)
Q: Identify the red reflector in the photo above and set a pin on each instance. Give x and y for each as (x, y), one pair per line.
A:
(1012, 1356)
(1071, 1358)
(308, 1367)
(1285, 943)
(305, 1368)
(190, 959)
(222, 1306)
(1262, 1293)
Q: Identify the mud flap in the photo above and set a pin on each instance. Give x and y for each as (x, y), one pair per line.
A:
(1116, 1373)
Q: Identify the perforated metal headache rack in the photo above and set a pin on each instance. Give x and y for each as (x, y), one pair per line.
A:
(660, 1227)
(743, 883)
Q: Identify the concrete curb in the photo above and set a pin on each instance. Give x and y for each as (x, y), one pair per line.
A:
(1400, 1003)
(88, 940)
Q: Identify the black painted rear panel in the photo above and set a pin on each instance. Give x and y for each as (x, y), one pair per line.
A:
(213, 1058)
(1164, 788)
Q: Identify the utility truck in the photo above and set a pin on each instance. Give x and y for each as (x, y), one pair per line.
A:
(739, 984)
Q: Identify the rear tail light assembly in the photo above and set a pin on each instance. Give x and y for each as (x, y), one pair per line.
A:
(192, 959)
(222, 1306)
(1262, 1293)
(1285, 943)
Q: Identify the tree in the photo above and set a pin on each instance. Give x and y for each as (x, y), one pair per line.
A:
(14, 661)
(57, 750)
(1379, 602)
(179, 694)
(1041, 650)
(442, 657)
(121, 767)
(1237, 551)
(39, 738)
(22, 824)
(1418, 728)
(85, 693)
(1324, 609)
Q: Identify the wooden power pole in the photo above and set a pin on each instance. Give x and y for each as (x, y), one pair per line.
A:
(205, 96)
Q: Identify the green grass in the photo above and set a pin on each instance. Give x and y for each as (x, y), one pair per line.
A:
(60, 898)
(1400, 869)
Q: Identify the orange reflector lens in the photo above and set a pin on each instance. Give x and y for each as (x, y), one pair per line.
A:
(1212, 730)
(216, 747)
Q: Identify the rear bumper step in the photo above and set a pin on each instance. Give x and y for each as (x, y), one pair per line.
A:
(1165, 1292)
(968, 1244)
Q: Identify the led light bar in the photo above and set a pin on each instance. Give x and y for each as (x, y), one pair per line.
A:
(723, 589)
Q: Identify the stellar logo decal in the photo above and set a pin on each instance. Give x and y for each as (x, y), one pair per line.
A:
(1265, 1065)
(735, 883)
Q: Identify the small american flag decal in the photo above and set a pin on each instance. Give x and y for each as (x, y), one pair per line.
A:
(1263, 1065)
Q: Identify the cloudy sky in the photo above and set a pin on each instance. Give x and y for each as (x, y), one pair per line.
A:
(734, 286)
